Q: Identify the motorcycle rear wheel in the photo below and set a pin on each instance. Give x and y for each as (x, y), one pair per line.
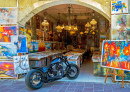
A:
(72, 71)
(34, 79)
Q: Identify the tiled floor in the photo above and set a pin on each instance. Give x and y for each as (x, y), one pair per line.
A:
(86, 74)
(86, 82)
(60, 86)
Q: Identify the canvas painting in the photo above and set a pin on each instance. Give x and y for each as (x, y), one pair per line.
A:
(7, 69)
(7, 51)
(41, 46)
(21, 64)
(120, 29)
(116, 54)
(20, 43)
(6, 32)
(126, 77)
(21, 30)
(47, 46)
(28, 36)
(8, 15)
(31, 48)
(118, 7)
(34, 47)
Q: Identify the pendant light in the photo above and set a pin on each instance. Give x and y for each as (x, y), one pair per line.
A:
(58, 27)
(45, 23)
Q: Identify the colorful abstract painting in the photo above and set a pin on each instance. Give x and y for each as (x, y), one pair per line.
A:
(20, 43)
(116, 54)
(119, 6)
(8, 15)
(6, 32)
(21, 30)
(28, 36)
(7, 69)
(126, 77)
(7, 51)
(120, 28)
(47, 46)
(41, 46)
(21, 64)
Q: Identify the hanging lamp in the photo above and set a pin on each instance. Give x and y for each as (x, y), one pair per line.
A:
(58, 28)
(45, 23)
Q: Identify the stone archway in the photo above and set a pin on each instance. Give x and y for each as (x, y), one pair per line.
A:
(25, 13)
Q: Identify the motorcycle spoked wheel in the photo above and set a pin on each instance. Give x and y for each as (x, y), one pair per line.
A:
(72, 71)
(33, 79)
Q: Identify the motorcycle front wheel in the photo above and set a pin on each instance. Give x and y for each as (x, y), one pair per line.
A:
(34, 79)
(72, 71)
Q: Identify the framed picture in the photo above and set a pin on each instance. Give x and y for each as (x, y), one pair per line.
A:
(116, 54)
(8, 15)
(21, 30)
(7, 69)
(21, 64)
(119, 7)
(7, 51)
(34, 47)
(120, 28)
(47, 46)
(6, 32)
(41, 46)
(20, 43)
(28, 36)
(126, 77)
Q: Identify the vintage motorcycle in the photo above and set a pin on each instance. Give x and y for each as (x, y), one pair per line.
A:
(59, 68)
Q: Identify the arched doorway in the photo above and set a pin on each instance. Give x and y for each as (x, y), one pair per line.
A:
(25, 13)
(41, 7)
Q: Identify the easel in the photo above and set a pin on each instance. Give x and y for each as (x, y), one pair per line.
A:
(114, 73)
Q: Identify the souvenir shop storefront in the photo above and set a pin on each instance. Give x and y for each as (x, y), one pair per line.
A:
(85, 34)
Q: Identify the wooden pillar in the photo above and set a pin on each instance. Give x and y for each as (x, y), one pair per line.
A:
(33, 27)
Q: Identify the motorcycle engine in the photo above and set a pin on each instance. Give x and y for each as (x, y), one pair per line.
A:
(56, 70)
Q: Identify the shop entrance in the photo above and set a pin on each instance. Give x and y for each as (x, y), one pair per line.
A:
(92, 28)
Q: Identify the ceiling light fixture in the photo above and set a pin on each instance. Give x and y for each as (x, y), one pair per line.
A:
(45, 23)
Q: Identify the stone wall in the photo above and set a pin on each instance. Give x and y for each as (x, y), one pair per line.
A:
(28, 8)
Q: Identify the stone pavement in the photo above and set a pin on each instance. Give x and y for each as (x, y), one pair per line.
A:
(8, 85)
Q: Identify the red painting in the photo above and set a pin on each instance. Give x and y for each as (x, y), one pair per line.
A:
(7, 70)
(116, 54)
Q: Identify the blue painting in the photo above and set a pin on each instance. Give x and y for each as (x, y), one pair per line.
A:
(126, 77)
(20, 43)
(7, 51)
(47, 46)
(34, 47)
(119, 6)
